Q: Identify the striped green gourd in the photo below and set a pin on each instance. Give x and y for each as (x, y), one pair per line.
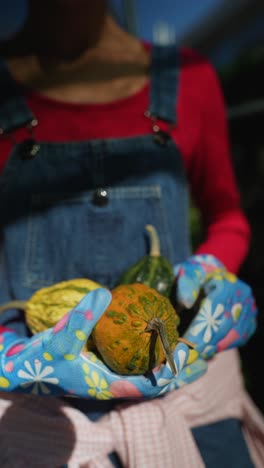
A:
(153, 270)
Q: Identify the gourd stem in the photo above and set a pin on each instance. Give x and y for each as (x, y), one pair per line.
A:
(21, 305)
(187, 342)
(152, 346)
(154, 241)
(156, 326)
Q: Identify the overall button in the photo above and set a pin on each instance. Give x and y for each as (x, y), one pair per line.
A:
(29, 149)
(161, 138)
(100, 197)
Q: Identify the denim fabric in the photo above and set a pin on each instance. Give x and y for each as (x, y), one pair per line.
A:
(52, 226)
(222, 444)
(14, 112)
(165, 83)
(55, 230)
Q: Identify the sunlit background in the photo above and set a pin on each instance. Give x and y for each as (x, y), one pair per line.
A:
(222, 27)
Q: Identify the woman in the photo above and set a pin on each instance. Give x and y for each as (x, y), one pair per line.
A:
(103, 134)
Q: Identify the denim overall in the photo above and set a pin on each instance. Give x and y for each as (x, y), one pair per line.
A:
(72, 210)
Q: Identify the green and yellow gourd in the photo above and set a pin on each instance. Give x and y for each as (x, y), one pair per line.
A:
(48, 305)
(137, 332)
(153, 270)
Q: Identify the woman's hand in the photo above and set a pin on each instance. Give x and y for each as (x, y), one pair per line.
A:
(227, 314)
(53, 362)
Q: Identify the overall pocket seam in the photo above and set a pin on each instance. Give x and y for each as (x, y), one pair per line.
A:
(32, 268)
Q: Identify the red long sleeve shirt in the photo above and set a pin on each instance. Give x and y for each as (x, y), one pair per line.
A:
(201, 135)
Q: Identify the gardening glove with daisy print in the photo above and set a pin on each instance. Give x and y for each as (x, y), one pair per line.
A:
(53, 362)
(227, 312)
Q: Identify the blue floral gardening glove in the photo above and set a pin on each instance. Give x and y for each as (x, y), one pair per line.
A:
(53, 362)
(227, 314)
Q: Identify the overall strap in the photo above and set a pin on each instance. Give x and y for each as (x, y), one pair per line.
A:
(164, 82)
(14, 112)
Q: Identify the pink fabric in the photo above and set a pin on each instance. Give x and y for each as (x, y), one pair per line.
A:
(45, 432)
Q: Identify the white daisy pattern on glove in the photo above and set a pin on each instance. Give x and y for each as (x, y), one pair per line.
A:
(208, 320)
(57, 365)
(37, 377)
(226, 309)
(167, 383)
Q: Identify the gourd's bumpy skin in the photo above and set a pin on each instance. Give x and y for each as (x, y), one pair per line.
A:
(48, 305)
(53, 362)
(120, 335)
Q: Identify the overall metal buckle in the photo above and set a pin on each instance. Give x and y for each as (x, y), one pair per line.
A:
(29, 147)
(160, 136)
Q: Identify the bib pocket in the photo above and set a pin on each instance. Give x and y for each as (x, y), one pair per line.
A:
(72, 236)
